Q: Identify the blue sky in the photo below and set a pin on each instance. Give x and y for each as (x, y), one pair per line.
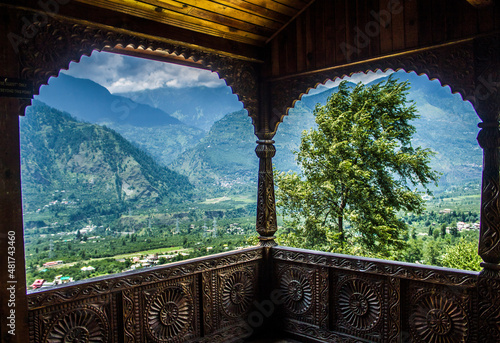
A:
(120, 73)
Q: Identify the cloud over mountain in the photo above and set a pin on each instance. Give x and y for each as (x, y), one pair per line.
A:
(119, 73)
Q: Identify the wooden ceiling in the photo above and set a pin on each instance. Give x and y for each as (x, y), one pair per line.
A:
(252, 22)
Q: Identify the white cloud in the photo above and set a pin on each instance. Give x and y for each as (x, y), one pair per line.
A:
(360, 77)
(119, 73)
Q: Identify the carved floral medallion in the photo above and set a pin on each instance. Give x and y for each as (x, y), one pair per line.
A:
(297, 290)
(85, 324)
(359, 304)
(438, 319)
(237, 293)
(169, 314)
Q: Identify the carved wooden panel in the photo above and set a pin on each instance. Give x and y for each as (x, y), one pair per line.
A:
(305, 293)
(228, 296)
(168, 311)
(392, 326)
(360, 305)
(236, 291)
(439, 314)
(385, 301)
(297, 286)
(89, 320)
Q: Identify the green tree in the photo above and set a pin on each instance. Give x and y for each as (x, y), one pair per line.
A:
(436, 234)
(358, 169)
(454, 230)
(431, 230)
(443, 230)
(462, 255)
(432, 253)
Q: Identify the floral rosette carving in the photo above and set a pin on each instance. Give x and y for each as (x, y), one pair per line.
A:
(169, 314)
(297, 290)
(359, 304)
(237, 293)
(81, 325)
(438, 319)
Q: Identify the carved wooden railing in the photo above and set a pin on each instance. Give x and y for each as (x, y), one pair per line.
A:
(201, 300)
(310, 296)
(337, 298)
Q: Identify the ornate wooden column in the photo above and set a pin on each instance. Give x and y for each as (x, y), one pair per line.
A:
(487, 104)
(266, 205)
(265, 150)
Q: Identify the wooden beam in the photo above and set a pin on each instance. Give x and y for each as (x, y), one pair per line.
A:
(297, 4)
(169, 16)
(207, 8)
(274, 6)
(291, 20)
(13, 301)
(373, 59)
(107, 18)
(480, 3)
(256, 10)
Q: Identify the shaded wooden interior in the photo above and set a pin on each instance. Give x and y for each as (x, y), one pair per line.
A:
(269, 52)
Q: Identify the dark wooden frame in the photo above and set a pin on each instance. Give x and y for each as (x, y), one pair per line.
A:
(468, 61)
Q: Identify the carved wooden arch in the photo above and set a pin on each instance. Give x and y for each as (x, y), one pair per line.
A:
(453, 65)
(470, 68)
(60, 42)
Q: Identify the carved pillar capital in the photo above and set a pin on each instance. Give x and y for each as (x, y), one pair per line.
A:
(265, 149)
(489, 135)
(266, 205)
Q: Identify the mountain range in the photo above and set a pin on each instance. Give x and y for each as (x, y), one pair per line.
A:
(89, 162)
(200, 106)
(150, 128)
(223, 158)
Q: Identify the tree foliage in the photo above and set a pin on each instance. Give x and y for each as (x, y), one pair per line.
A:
(462, 255)
(358, 170)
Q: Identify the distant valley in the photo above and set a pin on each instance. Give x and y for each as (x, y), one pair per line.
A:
(168, 169)
(222, 159)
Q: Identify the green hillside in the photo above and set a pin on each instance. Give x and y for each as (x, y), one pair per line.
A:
(80, 163)
(224, 160)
